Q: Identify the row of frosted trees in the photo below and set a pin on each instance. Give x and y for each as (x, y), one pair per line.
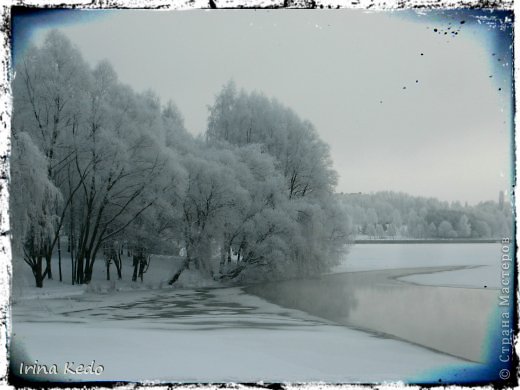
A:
(390, 214)
(95, 164)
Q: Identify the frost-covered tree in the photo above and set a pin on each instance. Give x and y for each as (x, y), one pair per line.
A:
(445, 230)
(33, 198)
(301, 156)
(101, 144)
(380, 231)
(296, 229)
(482, 229)
(463, 227)
(211, 190)
(120, 139)
(419, 217)
(47, 99)
(392, 230)
(371, 231)
(263, 190)
(432, 230)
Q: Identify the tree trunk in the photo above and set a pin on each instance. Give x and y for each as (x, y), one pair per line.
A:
(79, 269)
(72, 262)
(59, 259)
(141, 269)
(234, 273)
(119, 264)
(136, 268)
(108, 269)
(37, 271)
(84, 271)
(203, 256)
(91, 258)
(179, 271)
(72, 267)
(48, 268)
(222, 257)
(89, 266)
(72, 246)
(39, 281)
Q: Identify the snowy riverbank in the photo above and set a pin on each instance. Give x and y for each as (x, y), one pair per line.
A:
(148, 331)
(207, 335)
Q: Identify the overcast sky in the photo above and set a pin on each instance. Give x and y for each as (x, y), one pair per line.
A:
(403, 107)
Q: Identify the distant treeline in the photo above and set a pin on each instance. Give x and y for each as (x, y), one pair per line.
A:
(398, 215)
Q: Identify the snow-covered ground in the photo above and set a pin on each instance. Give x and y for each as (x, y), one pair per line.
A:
(159, 273)
(207, 335)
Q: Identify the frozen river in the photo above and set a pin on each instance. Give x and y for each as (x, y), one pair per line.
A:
(481, 262)
(440, 296)
(451, 320)
(288, 331)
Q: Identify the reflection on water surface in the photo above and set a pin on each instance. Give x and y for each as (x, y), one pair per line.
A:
(447, 319)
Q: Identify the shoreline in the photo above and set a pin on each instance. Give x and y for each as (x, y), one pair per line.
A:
(396, 275)
(429, 241)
